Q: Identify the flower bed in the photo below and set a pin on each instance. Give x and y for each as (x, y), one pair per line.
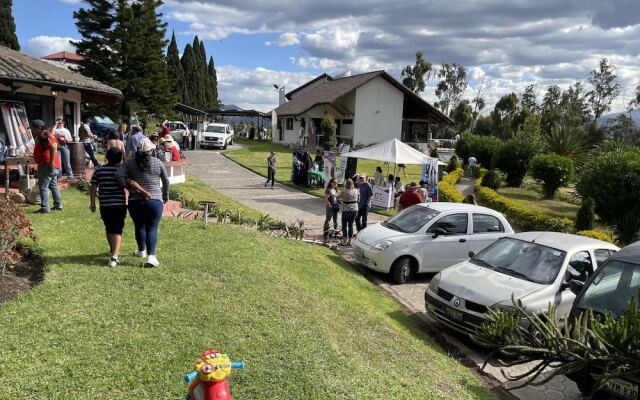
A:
(447, 187)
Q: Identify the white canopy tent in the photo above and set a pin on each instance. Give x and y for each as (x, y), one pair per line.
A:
(391, 151)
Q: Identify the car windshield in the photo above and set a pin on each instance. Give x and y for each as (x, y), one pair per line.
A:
(525, 260)
(411, 219)
(615, 283)
(215, 129)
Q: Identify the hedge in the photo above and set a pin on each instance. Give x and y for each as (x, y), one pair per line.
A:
(447, 187)
(521, 215)
(595, 234)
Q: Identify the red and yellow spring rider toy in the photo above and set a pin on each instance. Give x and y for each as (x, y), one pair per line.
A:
(209, 377)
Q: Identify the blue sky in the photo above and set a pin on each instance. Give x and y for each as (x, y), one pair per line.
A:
(507, 43)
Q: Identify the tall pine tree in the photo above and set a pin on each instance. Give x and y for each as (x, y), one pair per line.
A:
(8, 26)
(213, 85)
(95, 25)
(175, 72)
(191, 80)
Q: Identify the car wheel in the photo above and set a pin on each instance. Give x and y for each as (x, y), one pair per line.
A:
(402, 270)
(224, 147)
(231, 142)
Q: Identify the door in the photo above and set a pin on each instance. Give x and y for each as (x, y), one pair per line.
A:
(449, 248)
(580, 268)
(485, 229)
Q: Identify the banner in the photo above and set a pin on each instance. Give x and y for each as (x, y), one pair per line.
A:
(344, 149)
(16, 123)
(382, 197)
(329, 166)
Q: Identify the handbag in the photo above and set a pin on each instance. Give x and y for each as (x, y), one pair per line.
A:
(336, 207)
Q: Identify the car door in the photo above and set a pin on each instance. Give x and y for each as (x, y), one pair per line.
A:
(485, 229)
(446, 249)
(580, 267)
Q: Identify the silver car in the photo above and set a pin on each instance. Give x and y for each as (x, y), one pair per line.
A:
(533, 267)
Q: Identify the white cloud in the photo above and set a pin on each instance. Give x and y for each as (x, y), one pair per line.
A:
(43, 45)
(286, 39)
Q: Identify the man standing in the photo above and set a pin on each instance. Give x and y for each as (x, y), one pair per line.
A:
(410, 197)
(364, 204)
(63, 136)
(271, 170)
(132, 143)
(45, 154)
(87, 137)
(165, 129)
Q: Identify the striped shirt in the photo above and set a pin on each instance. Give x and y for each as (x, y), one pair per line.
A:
(149, 179)
(110, 191)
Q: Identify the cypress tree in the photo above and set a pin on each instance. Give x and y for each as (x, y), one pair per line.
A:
(95, 24)
(189, 68)
(213, 85)
(8, 26)
(199, 65)
(175, 72)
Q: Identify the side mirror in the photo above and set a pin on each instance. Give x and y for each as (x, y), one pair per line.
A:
(439, 232)
(471, 254)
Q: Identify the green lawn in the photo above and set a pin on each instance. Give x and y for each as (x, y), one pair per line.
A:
(534, 200)
(307, 325)
(197, 190)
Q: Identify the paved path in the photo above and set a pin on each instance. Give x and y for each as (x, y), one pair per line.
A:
(283, 203)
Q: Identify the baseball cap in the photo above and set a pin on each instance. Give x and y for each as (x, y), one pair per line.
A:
(37, 123)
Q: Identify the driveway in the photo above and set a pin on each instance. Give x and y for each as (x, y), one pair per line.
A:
(283, 203)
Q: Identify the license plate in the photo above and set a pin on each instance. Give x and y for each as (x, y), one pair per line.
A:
(625, 389)
(453, 314)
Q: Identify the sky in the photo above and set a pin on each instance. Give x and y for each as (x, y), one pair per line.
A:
(505, 45)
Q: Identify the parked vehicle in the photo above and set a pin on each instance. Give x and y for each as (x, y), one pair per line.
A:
(609, 291)
(177, 129)
(101, 126)
(217, 135)
(428, 238)
(533, 267)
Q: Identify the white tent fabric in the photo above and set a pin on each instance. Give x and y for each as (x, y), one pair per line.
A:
(393, 151)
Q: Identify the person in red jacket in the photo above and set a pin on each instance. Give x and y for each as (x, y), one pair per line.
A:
(45, 154)
(165, 129)
(168, 144)
(410, 197)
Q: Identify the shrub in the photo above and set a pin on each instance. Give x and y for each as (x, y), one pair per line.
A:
(513, 157)
(492, 179)
(612, 179)
(552, 170)
(483, 148)
(447, 187)
(452, 165)
(521, 215)
(595, 234)
(13, 226)
(328, 127)
(586, 216)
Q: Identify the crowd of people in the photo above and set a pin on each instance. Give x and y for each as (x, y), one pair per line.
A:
(134, 164)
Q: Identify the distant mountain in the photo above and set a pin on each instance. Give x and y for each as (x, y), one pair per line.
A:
(230, 107)
(608, 119)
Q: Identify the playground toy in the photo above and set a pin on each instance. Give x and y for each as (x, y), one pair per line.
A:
(209, 377)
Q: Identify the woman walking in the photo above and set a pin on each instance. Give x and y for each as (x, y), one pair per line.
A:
(349, 198)
(114, 141)
(331, 207)
(142, 175)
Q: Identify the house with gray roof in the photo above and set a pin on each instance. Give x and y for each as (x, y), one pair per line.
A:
(368, 108)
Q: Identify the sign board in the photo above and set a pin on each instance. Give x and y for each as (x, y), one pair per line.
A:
(382, 196)
(344, 149)
(16, 123)
(329, 166)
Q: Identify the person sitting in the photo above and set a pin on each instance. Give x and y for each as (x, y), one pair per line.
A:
(169, 145)
(398, 187)
(410, 197)
(378, 179)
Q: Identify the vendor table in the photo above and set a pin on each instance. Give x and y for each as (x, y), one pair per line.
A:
(315, 178)
(14, 162)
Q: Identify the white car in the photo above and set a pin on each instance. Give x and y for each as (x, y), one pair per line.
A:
(428, 238)
(177, 129)
(217, 135)
(533, 267)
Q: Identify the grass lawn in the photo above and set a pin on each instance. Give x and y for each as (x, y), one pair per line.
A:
(307, 325)
(535, 201)
(197, 190)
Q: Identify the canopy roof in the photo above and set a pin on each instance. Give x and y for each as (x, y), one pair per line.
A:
(393, 151)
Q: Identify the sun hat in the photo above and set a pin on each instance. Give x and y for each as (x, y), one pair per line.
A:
(146, 145)
(412, 185)
(166, 139)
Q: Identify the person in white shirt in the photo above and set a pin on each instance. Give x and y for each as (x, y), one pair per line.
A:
(63, 136)
(473, 162)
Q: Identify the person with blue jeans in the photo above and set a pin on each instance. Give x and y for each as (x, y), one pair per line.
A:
(45, 154)
(142, 174)
(364, 204)
(349, 198)
(63, 136)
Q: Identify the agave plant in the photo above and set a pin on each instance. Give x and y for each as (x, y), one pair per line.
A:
(615, 146)
(569, 142)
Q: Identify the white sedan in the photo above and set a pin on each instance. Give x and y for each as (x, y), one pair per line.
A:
(428, 238)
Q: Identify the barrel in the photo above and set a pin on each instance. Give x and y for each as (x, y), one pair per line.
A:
(77, 157)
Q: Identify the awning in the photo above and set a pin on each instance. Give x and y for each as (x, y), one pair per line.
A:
(393, 151)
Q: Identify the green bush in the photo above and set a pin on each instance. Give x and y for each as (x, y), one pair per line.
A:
(612, 179)
(595, 234)
(328, 127)
(513, 157)
(447, 187)
(483, 148)
(492, 179)
(586, 216)
(452, 165)
(552, 170)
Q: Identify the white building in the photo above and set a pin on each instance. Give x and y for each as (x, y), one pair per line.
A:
(368, 108)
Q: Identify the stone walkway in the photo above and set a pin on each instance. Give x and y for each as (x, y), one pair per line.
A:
(283, 203)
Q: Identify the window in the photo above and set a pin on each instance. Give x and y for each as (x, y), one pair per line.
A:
(615, 284)
(303, 123)
(347, 122)
(215, 129)
(454, 224)
(411, 219)
(602, 254)
(580, 267)
(483, 223)
(289, 124)
(279, 123)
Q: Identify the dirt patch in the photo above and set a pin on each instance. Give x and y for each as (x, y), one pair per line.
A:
(21, 277)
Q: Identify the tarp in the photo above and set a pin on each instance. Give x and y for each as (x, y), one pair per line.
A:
(392, 151)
